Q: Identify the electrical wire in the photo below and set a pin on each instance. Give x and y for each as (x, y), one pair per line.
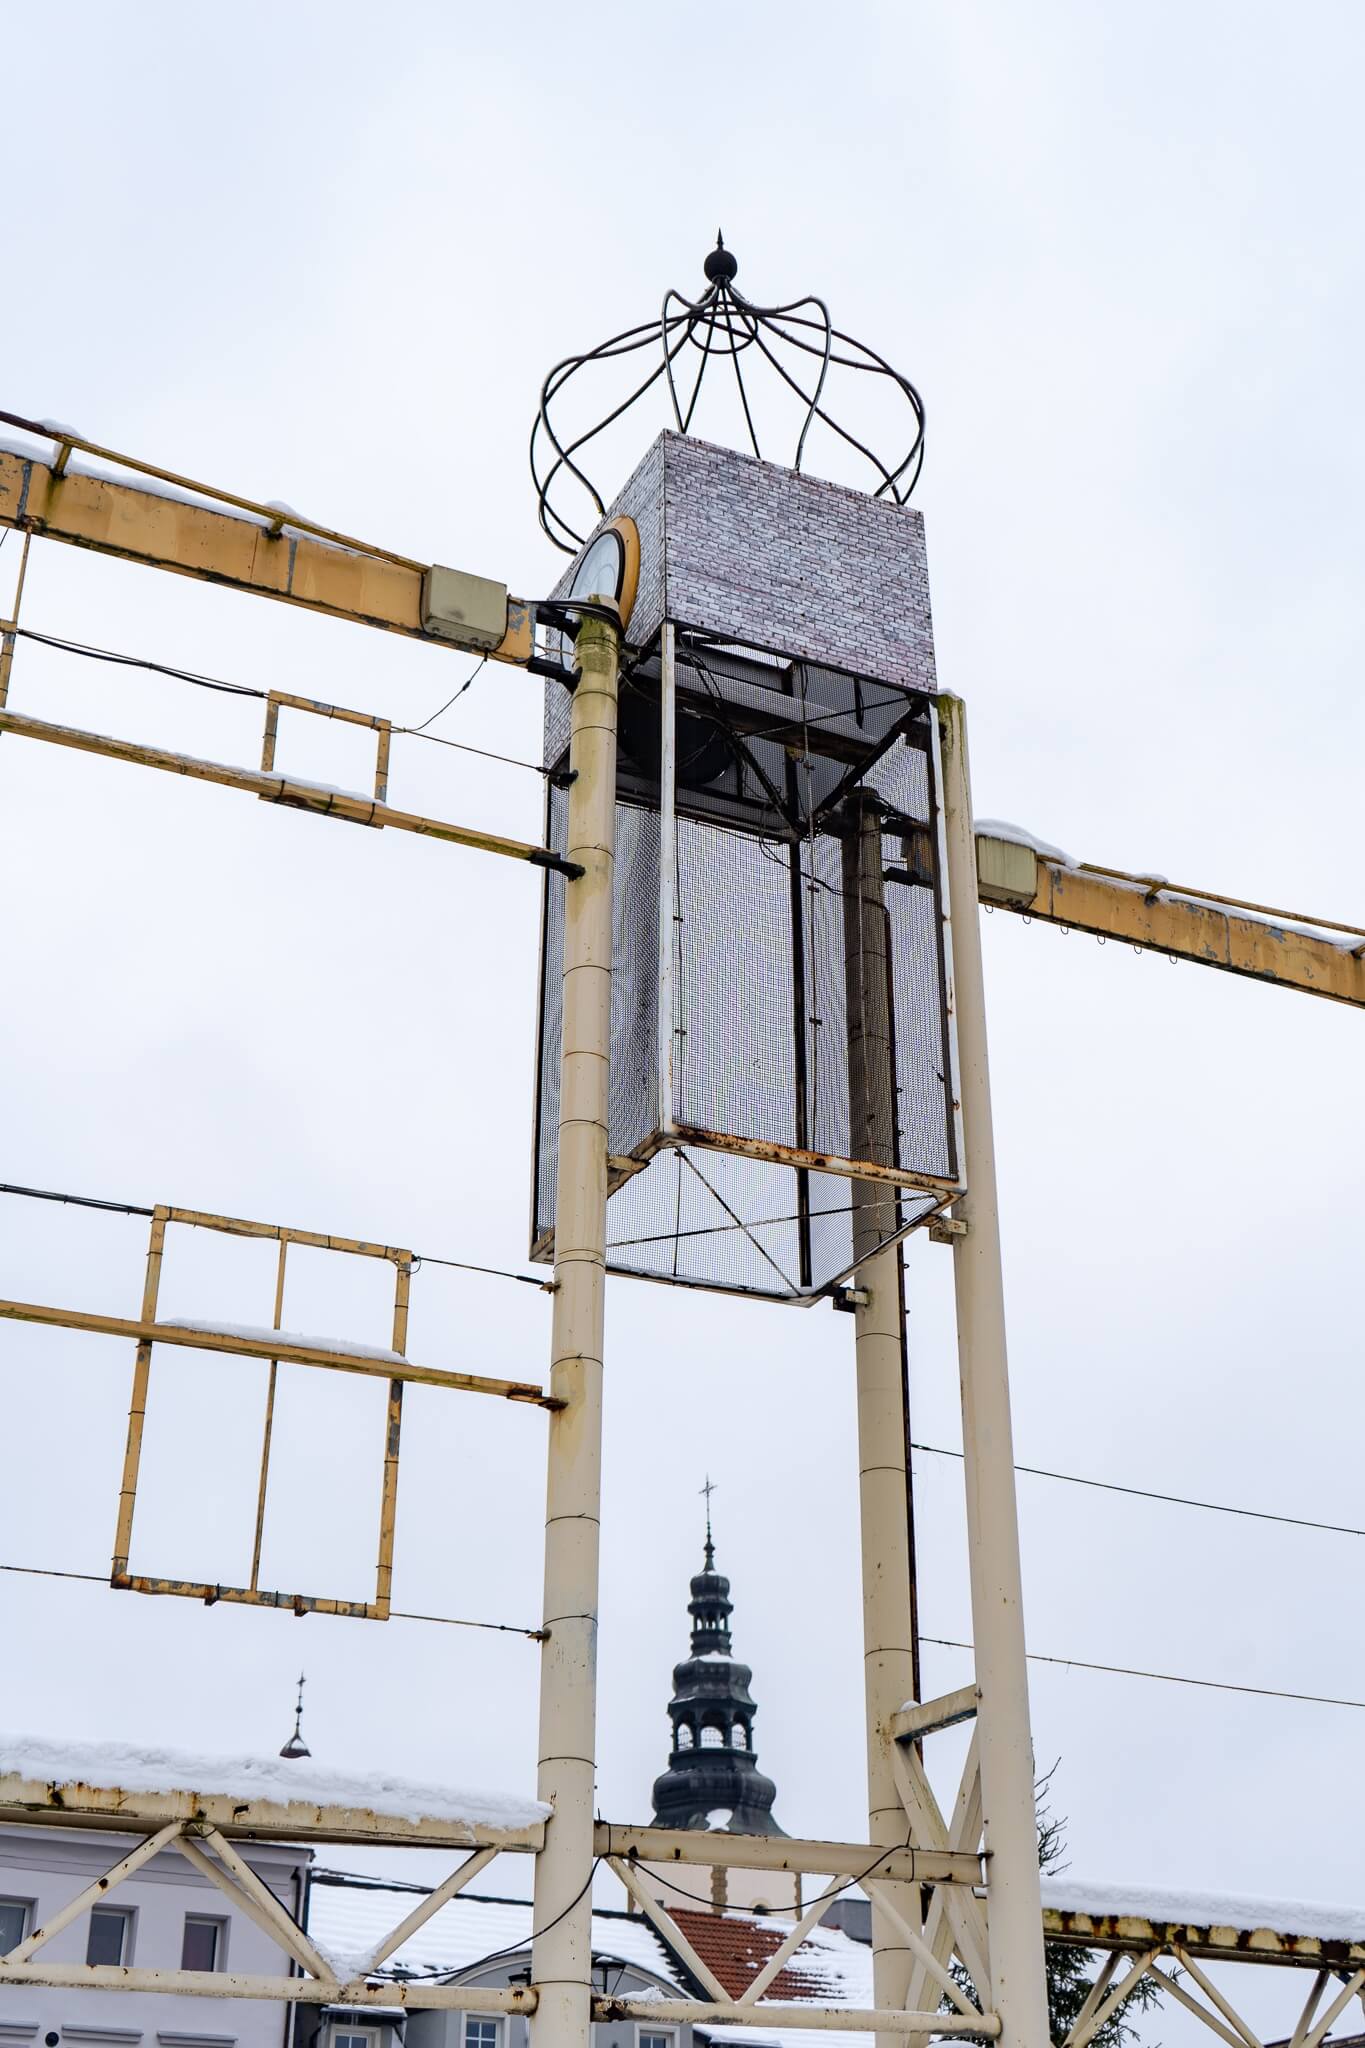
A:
(1264, 1692)
(416, 731)
(506, 1628)
(1179, 1500)
(138, 1209)
(159, 668)
(896, 1849)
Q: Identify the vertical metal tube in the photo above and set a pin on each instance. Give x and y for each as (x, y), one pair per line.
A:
(879, 1339)
(137, 1405)
(561, 1953)
(6, 637)
(668, 877)
(1014, 1913)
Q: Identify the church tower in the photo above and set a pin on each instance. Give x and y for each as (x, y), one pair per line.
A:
(713, 1779)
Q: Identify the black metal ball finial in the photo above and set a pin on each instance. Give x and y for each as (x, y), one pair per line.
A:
(720, 265)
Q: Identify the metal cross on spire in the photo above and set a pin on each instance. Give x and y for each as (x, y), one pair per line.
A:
(296, 1746)
(708, 1490)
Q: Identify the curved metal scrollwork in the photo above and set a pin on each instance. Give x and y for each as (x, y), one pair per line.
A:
(721, 324)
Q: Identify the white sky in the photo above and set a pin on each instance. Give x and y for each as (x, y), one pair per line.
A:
(326, 254)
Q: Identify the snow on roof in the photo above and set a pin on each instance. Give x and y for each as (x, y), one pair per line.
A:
(1305, 1917)
(137, 1767)
(828, 1969)
(348, 1922)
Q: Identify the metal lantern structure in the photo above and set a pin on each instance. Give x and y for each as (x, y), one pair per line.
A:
(783, 1097)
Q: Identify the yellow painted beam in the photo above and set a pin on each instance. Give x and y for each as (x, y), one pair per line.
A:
(269, 1344)
(282, 789)
(72, 1802)
(1143, 912)
(230, 548)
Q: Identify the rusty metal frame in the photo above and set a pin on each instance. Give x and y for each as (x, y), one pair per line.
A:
(276, 700)
(145, 1331)
(252, 1593)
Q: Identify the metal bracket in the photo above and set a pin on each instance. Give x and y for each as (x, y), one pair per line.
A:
(850, 1298)
(947, 1229)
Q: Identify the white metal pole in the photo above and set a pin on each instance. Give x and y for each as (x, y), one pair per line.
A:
(668, 877)
(879, 1336)
(561, 1952)
(1013, 1903)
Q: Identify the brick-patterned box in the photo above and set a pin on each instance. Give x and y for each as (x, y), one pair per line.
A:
(764, 556)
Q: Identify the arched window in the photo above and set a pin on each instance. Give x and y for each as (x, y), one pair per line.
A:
(712, 1736)
(739, 1736)
(684, 1736)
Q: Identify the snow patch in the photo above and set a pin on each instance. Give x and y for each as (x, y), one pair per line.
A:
(1000, 828)
(29, 449)
(720, 1817)
(137, 1767)
(262, 1333)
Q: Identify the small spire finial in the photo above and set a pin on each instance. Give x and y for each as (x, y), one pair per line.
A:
(296, 1746)
(708, 1490)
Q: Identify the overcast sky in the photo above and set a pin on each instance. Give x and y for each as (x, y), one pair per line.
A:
(326, 254)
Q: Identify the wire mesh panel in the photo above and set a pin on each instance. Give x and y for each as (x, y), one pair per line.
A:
(797, 1110)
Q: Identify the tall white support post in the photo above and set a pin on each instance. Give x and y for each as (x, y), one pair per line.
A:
(879, 1337)
(1013, 1903)
(561, 1953)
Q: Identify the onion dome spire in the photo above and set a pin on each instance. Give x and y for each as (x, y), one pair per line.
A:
(713, 1780)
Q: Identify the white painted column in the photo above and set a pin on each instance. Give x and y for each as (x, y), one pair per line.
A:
(1013, 1904)
(561, 1954)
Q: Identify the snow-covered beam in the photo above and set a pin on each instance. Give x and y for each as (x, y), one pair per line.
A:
(120, 1785)
(170, 522)
(1016, 872)
(1226, 1928)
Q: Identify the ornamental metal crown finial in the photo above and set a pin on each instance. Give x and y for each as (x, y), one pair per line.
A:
(795, 348)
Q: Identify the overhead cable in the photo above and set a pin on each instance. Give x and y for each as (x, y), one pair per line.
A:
(1178, 1500)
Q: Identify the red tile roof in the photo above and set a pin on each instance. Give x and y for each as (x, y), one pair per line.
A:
(737, 1948)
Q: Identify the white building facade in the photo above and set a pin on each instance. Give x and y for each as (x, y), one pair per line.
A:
(164, 1917)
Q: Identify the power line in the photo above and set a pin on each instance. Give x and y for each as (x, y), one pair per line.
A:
(140, 1209)
(230, 689)
(1265, 1692)
(505, 1628)
(1178, 1500)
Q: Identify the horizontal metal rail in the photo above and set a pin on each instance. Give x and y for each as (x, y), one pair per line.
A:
(926, 1717)
(75, 1804)
(308, 565)
(293, 1990)
(1143, 911)
(269, 1344)
(783, 1852)
(806, 2018)
(1135, 1933)
(281, 789)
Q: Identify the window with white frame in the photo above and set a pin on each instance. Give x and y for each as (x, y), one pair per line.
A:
(204, 1942)
(13, 1923)
(110, 1939)
(658, 2037)
(350, 2036)
(480, 2032)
